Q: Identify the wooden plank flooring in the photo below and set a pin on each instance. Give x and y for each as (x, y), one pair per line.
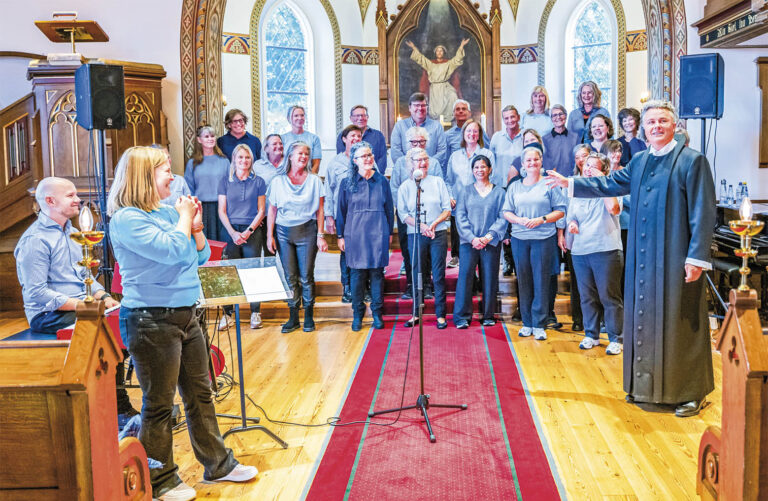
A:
(602, 447)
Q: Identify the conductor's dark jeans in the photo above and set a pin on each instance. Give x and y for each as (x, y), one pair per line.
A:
(169, 350)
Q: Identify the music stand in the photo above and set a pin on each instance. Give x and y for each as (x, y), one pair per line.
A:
(238, 281)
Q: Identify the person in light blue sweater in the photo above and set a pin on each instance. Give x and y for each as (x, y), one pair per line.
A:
(159, 249)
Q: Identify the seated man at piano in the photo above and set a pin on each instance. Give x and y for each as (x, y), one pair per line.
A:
(46, 264)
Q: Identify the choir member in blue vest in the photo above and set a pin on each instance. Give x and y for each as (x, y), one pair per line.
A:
(599, 130)
(667, 348)
(537, 117)
(460, 173)
(364, 226)
(337, 171)
(559, 143)
(416, 137)
(532, 211)
(588, 97)
(453, 136)
(296, 116)
(358, 115)
(159, 249)
(433, 232)
(294, 226)
(242, 211)
(596, 252)
(204, 170)
(481, 226)
(629, 120)
(417, 105)
(235, 121)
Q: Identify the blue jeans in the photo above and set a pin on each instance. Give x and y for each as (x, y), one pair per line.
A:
(533, 263)
(359, 279)
(436, 250)
(251, 248)
(169, 350)
(298, 250)
(345, 270)
(469, 259)
(599, 278)
(213, 229)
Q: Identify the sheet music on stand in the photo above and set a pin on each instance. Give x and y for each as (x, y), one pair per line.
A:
(245, 280)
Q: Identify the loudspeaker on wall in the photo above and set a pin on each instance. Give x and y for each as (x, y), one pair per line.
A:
(100, 96)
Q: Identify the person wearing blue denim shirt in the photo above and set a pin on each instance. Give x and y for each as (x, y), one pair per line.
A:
(159, 249)
(437, 147)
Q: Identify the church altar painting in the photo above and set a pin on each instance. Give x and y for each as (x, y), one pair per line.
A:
(442, 60)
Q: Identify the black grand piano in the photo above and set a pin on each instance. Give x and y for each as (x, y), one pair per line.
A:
(726, 264)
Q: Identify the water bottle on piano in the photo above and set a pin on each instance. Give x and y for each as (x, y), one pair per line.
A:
(723, 192)
(729, 199)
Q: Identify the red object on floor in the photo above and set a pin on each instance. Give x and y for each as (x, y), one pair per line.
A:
(472, 458)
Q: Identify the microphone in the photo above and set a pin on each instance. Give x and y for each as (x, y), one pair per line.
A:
(418, 175)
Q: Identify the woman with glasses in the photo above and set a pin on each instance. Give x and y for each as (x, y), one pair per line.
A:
(235, 122)
(597, 259)
(433, 230)
(364, 226)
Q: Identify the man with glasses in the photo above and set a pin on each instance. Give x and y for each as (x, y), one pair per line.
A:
(437, 147)
(559, 143)
(235, 122)
(358, 115)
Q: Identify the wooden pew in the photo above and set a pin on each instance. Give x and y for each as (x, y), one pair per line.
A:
(58, 419)
(733, 461)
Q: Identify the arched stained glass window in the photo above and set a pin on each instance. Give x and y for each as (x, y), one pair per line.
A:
(592, 46)
(287, 61)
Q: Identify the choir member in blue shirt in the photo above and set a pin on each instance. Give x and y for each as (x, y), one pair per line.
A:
(532, 211)
(159, 249)
(559, 143)
(417, 105)
(615, 153)
(416, 137)
(204, 170)
(271, 164)
(588, 97)
(600, 130)
(235, 121)
(531, 137)
(433, 232)
(297, 118)
(481, 227)
(537, 117)
(460, 173)
(295, 219)
(358, 115)
(241, 211)
(597, 259)
(453, 136)
(338, 170)
(629, 120)
(364, 226)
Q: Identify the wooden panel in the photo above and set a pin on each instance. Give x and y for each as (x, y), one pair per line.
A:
(26, 365)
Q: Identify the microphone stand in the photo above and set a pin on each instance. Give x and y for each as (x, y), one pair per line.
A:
(422, 401)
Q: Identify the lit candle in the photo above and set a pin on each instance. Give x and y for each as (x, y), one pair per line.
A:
(482, 120)
(746, 210)
(645, 96)
(442, 120)
(85, 219)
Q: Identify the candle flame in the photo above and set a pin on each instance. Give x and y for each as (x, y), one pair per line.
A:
(746, 210)
(85, 219)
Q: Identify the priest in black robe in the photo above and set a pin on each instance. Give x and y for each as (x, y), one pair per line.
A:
(667, 347)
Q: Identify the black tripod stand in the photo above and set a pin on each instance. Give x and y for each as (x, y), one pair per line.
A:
(422, 401)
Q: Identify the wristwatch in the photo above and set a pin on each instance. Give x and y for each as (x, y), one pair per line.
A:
(544, 218)
(251, 229)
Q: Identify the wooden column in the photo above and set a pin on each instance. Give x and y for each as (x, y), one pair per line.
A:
(762, 82)
(381, 25)
(495, 22)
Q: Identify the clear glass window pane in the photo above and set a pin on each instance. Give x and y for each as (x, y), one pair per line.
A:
(592, 51)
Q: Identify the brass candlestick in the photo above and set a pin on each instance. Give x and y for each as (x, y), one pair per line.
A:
(87, 238)
(746, 228)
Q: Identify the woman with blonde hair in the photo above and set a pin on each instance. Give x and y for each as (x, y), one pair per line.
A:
(159, 249)
(537, 117)
(204, 170)
(294, 226)
(588, 96)
(241, 212)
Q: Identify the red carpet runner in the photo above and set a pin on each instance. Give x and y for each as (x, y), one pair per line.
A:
(489, 451)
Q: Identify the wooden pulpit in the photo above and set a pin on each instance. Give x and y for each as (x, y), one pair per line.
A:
(58, 419)
(733, 460)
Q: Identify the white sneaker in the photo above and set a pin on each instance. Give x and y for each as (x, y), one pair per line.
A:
(525, 331)
(181, 492)
(588, 343)
(453, 263)
(225, 321)
(539, 334)
(614, 348)
(255, 320)
(241, 473)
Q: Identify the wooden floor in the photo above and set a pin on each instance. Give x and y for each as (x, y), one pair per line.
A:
(600, 446)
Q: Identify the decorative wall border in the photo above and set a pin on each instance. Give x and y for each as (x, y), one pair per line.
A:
(621, 26)
(235, 43)
(637, 41)
(360, 55)
(519, 54)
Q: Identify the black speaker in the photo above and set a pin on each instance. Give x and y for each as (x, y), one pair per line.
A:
(100, 96)
(701, 86)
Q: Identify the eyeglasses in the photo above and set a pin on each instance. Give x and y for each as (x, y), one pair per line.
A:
(558, 115)
(419, 105)
(418, 142)
(364, 155)
(238, 121)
